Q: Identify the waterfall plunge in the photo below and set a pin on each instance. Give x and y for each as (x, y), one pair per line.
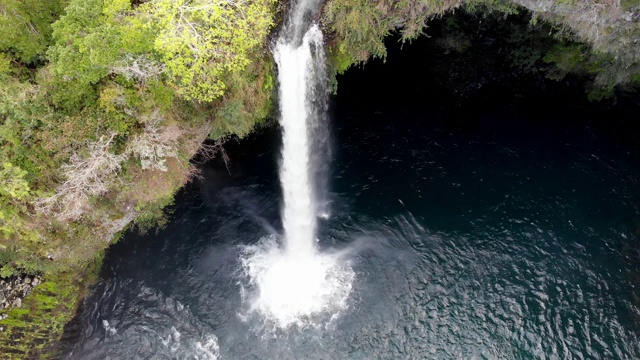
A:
(295, 77)
(295, 283)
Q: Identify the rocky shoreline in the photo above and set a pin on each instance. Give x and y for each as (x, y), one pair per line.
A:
(14, 289)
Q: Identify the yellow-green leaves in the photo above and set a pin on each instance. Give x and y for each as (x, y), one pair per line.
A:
(116, 8)
(14, 192)
(195, 44)
(202, 41)
(95, 38)
(5, 64)
(12, 182)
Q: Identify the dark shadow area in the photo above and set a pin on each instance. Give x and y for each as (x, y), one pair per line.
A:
(481, 78)
(472, 64)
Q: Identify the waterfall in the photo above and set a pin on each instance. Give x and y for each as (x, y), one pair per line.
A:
(296, 283)
(296, 75)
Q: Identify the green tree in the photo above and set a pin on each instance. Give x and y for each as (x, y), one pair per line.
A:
(202, 41)
(25, 27)
(94, 39)
(14, 195)
(87, 40)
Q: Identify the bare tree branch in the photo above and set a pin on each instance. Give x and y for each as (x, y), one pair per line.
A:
(86, 176)
(138, 67)
(153, 146)
(210, 151)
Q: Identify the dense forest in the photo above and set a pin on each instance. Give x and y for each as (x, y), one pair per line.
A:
(104, 104)
(99, 96)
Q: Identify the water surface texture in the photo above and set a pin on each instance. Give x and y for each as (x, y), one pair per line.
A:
(514, 238)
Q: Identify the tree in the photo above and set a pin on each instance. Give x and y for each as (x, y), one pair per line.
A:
(25, 27)
(87, 40)
(14, 195)
(96, 38)
(86, 176)
(154, 145)
(200, 41)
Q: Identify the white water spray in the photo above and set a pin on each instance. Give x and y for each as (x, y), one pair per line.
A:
(296, 74)
(296, 284)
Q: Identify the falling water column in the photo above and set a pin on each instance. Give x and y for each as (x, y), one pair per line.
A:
(296, 76)
(296, 284)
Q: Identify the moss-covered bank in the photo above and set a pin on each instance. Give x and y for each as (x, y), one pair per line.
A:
(30, 331)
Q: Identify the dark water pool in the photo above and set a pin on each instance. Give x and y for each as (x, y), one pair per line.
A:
(514, 238)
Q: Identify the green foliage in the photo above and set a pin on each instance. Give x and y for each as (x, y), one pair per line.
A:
(340, 58)
(630, 4)
(601, 71)
(93, 39)
(568, 57)
(7, 271)
(247, 102)
(88, 40)
(501, 6)
(600, 93)
(12, 183)
(25, 27)
(153, 214)
(31, 331)
(183, 47)
(119, 106)
(14, 196)
(23, 114)
(5, 65)
(160, 95)
(361, 29)
(68, 96)
(362, 25)
(201, 41)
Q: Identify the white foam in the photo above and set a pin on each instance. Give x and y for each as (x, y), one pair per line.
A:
(108, 328)
(182, 347)
(287, 289)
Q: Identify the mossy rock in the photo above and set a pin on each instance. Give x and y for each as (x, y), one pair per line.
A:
(32, 331)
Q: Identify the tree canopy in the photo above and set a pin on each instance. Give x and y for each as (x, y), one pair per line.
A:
(94, 94)
(25, 27)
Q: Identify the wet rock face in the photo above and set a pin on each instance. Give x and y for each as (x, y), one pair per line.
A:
(13, 290)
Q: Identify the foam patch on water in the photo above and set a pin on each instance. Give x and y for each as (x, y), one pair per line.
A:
(204, 348)
(289, 289)
(108, 328)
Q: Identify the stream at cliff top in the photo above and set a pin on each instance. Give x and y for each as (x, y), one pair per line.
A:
(514, 238)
